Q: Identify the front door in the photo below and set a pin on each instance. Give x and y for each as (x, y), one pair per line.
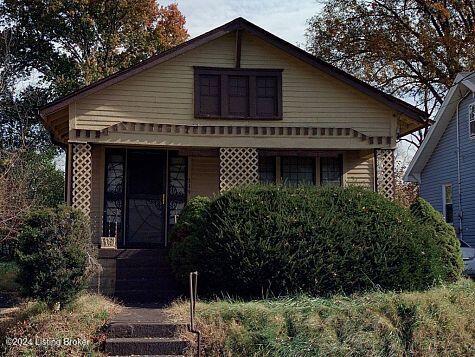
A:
(136, 197)
(145, 199)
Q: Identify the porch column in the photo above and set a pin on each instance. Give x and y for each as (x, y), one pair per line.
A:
(237, 166)
(81, 177)
(385, 176)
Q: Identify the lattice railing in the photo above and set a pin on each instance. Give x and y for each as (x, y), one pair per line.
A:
(82, 177)
(238, 166)
(385, 180)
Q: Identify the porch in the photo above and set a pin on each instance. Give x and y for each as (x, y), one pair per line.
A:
(134, 194)
(137, 193)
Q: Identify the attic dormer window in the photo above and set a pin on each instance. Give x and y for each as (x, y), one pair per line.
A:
(471, 119)
(238, 93)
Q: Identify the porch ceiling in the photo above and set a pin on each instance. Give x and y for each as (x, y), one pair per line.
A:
(57, 124)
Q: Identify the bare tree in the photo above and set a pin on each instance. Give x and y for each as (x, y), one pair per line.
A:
(15, 201)
(6, 42)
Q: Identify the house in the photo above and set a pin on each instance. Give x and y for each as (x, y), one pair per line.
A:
(444, 166)
(235, 105)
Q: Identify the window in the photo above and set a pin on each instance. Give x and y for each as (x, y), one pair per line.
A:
(331, 171)
(210, 99)
(471, 119)
(177, 177)
(114, 193)
(238, 96)
(266, 97)
(298, 170)
(238, 93)
(447, 203)
(267, 169)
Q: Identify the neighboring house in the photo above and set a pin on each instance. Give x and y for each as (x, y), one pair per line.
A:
(444, 165)
(235, 105)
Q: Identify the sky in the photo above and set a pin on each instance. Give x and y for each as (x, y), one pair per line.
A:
(286, 19)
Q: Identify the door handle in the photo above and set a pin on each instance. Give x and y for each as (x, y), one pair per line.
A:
(163, 199)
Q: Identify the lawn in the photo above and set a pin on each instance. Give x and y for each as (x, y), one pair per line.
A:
(435, 322)
(73, 331)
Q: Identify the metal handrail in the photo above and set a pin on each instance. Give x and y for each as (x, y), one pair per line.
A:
(193, 297)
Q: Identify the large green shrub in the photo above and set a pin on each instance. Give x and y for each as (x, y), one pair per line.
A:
(186, 238)
(271, 239)
(443, 235)
(52, 254)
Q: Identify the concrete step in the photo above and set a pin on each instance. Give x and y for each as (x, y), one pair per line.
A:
(146, 296)
(145, 346)
(145, 329)
(137, 263)
(143, 270)
(145, 283)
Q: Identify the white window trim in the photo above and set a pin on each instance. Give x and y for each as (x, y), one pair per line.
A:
(444, 199)
(471, 118)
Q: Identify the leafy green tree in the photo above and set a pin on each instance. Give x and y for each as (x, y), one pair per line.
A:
(409, 48)
(59, 46)
(68, 44)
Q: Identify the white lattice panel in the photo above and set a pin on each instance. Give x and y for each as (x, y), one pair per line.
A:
(238, 166)
(385, 172)
(82, 177)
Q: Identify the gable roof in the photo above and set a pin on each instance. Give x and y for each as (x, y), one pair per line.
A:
(463, 84)
(398, 105)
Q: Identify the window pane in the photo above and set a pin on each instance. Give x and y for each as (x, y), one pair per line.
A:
(266, 96)
(113, 193)
(267, 169)
(448, 193)
(176, 187)
(472, 128)
(239, 95)
(331, 171)
(298, 170)
(449, 211)
(210, 100)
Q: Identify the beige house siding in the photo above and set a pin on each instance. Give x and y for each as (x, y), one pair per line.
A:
(97, 191)
(358, 168)
(164, 94)
(313, 97)
(203, 176)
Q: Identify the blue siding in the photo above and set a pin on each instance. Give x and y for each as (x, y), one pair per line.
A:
(442, 169)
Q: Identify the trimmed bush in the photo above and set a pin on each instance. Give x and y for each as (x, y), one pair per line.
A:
(53, 254)
(186, 238)
(443, 235)
(280, 240)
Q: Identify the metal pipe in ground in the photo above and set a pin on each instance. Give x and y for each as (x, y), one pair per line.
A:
(193, 297)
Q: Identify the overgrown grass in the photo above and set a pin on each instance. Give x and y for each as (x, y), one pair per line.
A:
(439, 321)
(8, 273)
(43, 331)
